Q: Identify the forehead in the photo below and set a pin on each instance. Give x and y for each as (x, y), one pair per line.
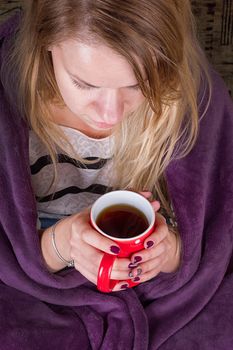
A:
(95, 63)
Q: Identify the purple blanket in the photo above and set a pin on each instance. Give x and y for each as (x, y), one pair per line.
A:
(190, 309)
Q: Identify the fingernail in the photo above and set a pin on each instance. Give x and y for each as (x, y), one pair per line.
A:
(149, 244)
(137, 259)
(124, 286)
(139, 272)
(114, 249)
(132, 266)
(130, 274)
(136, 279)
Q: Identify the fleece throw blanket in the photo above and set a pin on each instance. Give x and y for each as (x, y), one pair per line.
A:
(190, 309)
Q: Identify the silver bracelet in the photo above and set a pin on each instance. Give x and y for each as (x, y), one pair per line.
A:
(68, 263)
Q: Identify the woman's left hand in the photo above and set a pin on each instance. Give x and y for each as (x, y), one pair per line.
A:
(161, 253)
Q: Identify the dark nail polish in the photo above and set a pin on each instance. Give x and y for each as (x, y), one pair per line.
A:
(139, 272)
(137, 259)
(149, 244)
(130, 274)
(124, 286)
(132, 266)
(114, 249)
(136, 279)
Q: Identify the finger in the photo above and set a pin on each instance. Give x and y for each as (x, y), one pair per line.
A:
(149, 254)
(155, 205)
(87, 260)
(120, 269)
(160, 233)
(92, 278)
(121, 286)
(88, 256)
(85, 232)
(122, 264)
(146, 194)
(151, 265)
(135, 272)
(147, 276)
(91, 271)
(85, 254)
(86, 273)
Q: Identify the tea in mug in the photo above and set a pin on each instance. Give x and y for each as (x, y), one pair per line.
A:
(122, 221)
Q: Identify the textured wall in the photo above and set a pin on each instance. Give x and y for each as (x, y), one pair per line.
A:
(214, 25)
(215, 30)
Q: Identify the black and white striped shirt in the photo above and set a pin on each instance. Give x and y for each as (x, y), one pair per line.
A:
(77, 185)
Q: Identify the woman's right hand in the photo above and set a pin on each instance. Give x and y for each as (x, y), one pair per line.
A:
(87, 247)
(77, 240)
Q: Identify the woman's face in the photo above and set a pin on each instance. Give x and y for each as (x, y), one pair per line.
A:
(97, 85)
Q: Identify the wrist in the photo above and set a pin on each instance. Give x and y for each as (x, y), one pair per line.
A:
(56, 237)
(68, 263)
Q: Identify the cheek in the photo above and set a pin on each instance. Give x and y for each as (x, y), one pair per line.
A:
(74, 99)
(135, 101)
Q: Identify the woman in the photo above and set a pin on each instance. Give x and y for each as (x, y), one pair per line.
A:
(112, 95)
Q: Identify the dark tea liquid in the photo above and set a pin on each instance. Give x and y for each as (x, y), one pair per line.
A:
(122, 221)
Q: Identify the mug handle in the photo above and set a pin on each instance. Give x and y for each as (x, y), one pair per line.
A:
(104, 282)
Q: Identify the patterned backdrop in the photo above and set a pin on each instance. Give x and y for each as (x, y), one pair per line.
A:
(214, 25)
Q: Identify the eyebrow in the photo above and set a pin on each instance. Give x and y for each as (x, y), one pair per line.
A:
(97, 87)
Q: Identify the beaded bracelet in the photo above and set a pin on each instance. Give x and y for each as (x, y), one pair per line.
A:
(68, 263)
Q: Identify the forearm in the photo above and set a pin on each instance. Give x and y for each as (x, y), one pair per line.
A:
(62, 239)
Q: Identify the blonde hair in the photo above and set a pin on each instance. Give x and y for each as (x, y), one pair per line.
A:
(161, 34)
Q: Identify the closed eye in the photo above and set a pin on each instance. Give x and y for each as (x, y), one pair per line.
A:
(136, 87)
(89, 87)
(81, 86)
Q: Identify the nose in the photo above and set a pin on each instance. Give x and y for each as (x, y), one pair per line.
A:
(110, 106)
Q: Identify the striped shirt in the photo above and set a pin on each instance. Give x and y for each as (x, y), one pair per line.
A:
(77, 185)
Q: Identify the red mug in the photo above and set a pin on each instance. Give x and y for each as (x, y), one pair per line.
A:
(128, 246)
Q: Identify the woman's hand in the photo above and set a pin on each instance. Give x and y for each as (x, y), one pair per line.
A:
(87, 247)
(161, 253)
(77, 240)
